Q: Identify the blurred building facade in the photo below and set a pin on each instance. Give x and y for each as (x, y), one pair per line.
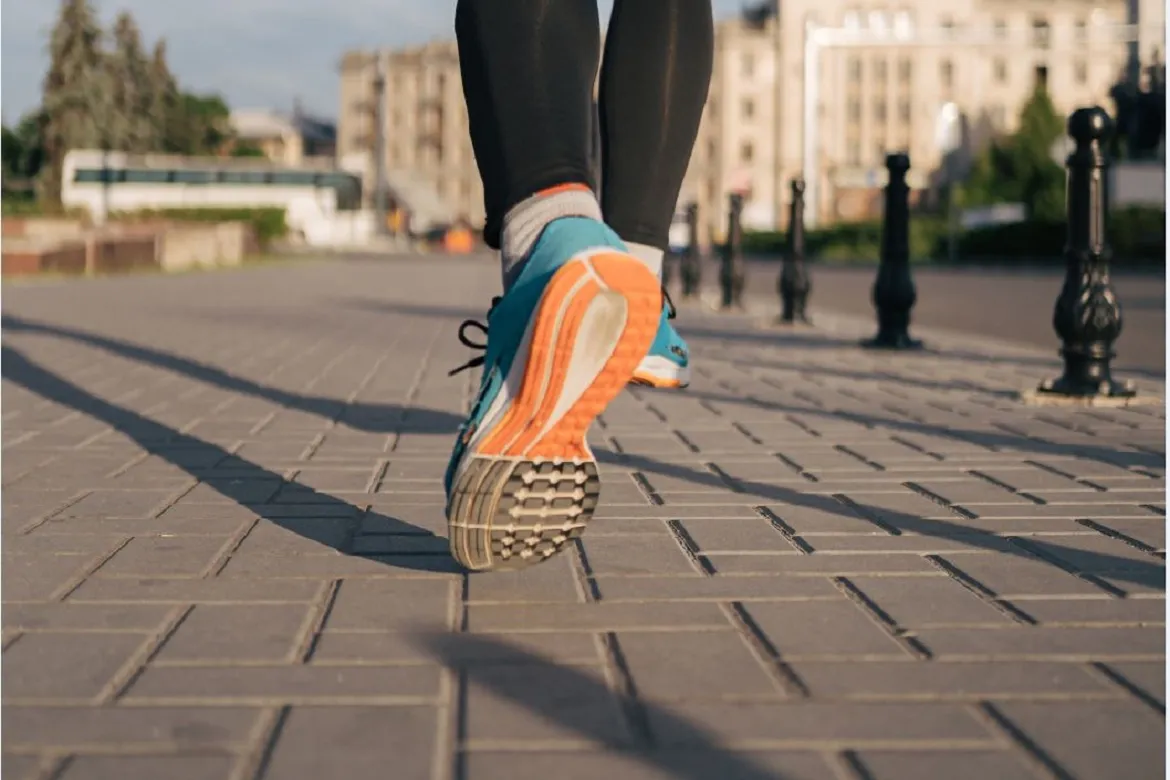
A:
(872, 100)
(287, 139)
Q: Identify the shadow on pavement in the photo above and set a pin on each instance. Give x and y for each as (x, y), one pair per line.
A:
(177, 448)
(571, 700)
(408, 309)
(895, 522)
(371, 418)
(780, 338)
(965, 386)
(169, 444)
(979, 438)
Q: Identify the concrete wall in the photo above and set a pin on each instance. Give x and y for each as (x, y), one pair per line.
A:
(33, 246)
(182, 247)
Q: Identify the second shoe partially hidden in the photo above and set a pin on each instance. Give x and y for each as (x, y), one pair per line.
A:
(667, 365)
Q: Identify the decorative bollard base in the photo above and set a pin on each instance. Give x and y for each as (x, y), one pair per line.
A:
(1063, 392)
(794, 321)
(898, 341)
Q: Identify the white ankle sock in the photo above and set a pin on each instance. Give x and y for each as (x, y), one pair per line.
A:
(525, 221)
(650, 255)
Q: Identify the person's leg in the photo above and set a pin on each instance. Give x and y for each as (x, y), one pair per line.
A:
(528, 68)
(654, 81)
(578, 311)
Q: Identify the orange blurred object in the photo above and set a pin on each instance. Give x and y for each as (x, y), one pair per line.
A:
(458, 241)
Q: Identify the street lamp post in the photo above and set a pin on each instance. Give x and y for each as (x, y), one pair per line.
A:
(380, 188)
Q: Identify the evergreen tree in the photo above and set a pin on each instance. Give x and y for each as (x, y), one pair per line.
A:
(165, 100)
(1020, 168)
(133, 127)
(74, 92)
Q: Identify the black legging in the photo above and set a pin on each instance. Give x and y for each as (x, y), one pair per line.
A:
(528, 70)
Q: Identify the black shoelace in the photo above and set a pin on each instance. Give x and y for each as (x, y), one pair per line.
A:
(466, 340)
(478, 360)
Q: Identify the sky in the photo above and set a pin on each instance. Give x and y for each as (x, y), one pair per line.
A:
(256, 53)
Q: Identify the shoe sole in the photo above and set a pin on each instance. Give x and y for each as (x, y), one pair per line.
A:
(530, 484)
(661, 373)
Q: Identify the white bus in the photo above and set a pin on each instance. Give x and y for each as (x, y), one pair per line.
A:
(103, 183)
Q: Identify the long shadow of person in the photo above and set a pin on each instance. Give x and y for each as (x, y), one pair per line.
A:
(580, 703)
(371, 418)
(176, 448)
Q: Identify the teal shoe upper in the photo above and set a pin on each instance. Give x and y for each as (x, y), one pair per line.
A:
(668, 343)
(508, 318)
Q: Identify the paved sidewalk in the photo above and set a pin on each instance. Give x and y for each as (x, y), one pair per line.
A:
(224, 554)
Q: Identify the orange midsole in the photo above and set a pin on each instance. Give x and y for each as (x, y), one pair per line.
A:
(518, 431)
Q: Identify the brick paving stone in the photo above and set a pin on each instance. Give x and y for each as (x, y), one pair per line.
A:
(969, 681)
(1100, 739)
(224, 552)
(659, 765)
(952, 764)
(148, 768)
(364, 743)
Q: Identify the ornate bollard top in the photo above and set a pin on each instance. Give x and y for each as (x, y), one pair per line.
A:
(1086, 125)
(798, 186)
(898, 164)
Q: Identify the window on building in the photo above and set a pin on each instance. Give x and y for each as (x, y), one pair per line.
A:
(1080, 30)
(947, 23)
(880, 150)
(852, 20)
(855, 68)
(749, 65)
(196, 177)
(148, 176)
(746, 151)
(1041, 32)
(879, 70)
(854, 110)
(1000, 27)
(879, 110)
(1041, 77)
(904, 111)
(905, 69)
(294, 178)
(749, 108)
(999, 70)
(877, 21)
(229, 177)
(903, 24)
(946, 74)
(853, 153)
(1080, 71)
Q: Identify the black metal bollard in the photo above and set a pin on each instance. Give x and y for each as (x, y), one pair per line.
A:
(1087, 316)
(893, 290)
(731, 277)
(691, 269)
(794, 284)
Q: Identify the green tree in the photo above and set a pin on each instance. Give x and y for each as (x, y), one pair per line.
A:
(201, 125)
(24, 150)
(74, 92)
(11, 151)
(133, 126)
(1020, 168)
(165, 101)
(246, 149)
